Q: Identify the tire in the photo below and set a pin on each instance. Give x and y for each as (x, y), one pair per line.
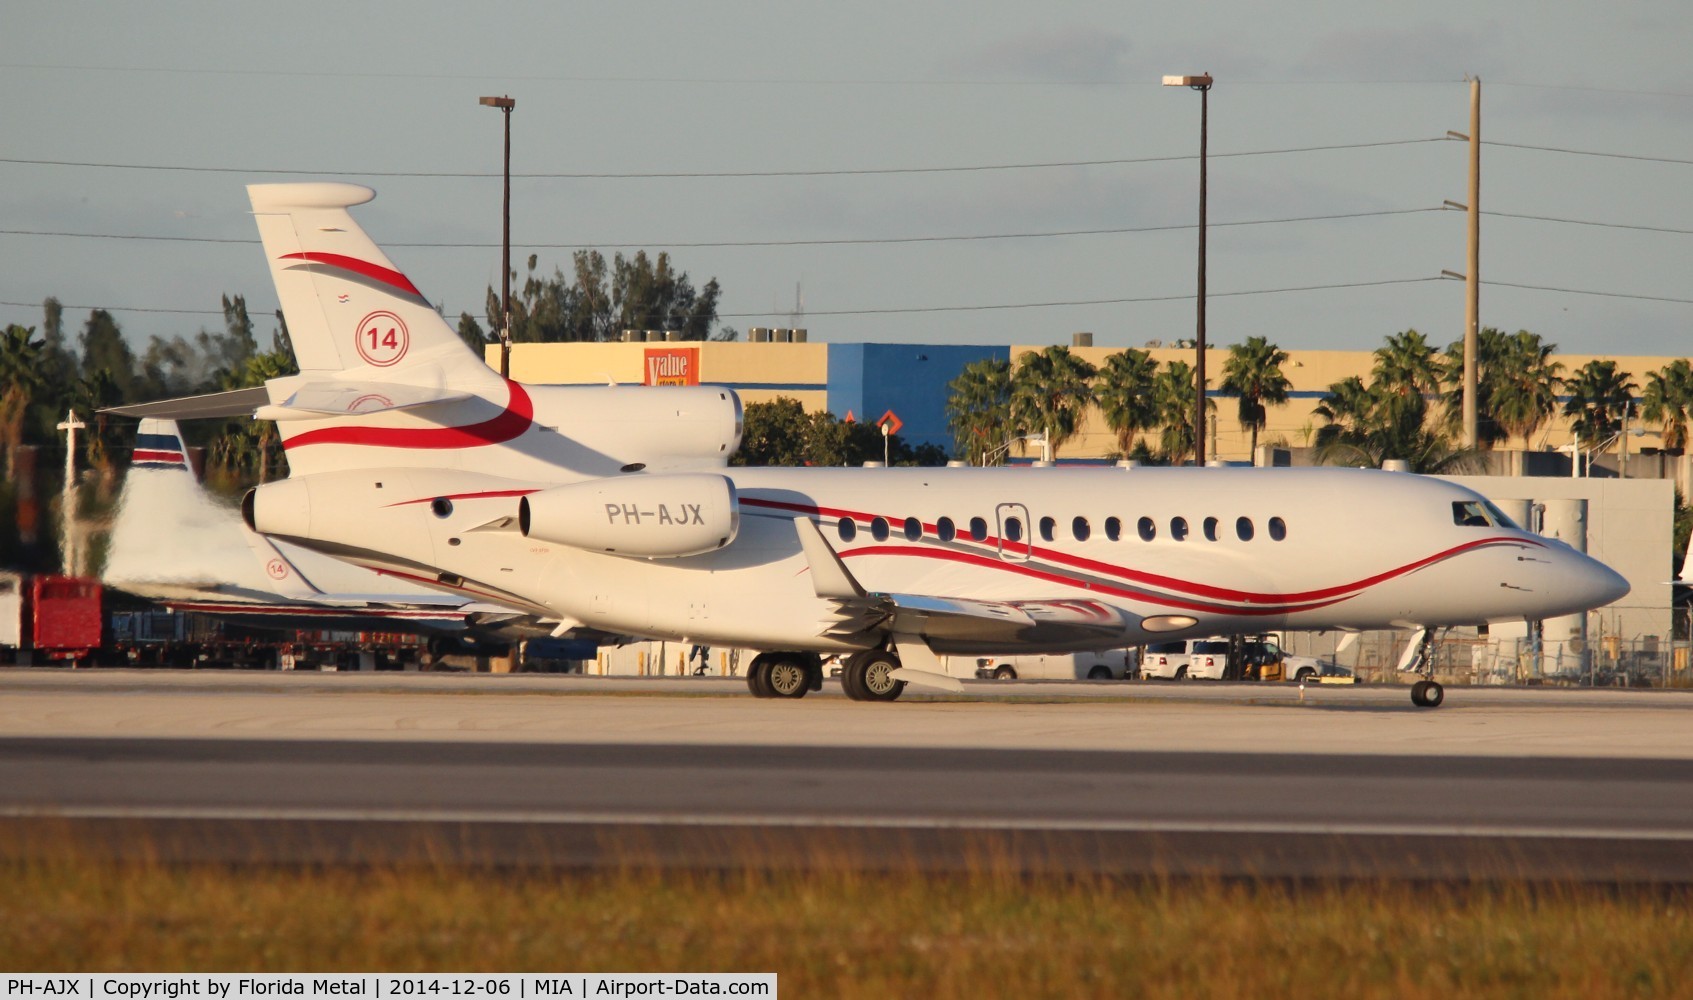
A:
(1100, 672)
(852, 677)
(786, 677)
(1004, 674)
(874, 676)
(758, 677)
(1181, 674)
(1305, 674)
(1427, 694)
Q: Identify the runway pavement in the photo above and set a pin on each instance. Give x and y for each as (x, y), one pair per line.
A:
(1119, 778)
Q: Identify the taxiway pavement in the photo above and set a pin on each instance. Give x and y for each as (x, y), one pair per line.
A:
(1118, 777)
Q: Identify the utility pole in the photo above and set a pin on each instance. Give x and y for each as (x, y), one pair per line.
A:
(72, 557)
(1201, 83)
(1472, 271)
(505, 104)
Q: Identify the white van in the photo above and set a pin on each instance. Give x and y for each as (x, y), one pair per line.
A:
(1105, 665)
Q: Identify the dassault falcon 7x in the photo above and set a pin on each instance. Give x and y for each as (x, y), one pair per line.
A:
(614, 509)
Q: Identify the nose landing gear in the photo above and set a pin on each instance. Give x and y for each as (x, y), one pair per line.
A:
(1426, 693)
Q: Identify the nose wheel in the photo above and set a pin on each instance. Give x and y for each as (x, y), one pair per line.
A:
(1426, 693)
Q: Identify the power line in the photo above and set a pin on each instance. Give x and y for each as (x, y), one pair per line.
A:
(864, 241)
(865, 312)
(698, 174)
(1585, 222)
(1086, 302)
(1588, 152)
(1586, 291)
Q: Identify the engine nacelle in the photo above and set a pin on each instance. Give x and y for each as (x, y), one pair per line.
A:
(656, 516)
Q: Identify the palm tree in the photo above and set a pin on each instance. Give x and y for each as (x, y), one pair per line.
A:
(20, 378)
(1406, 373)
(1050, 393)
(1598, 395)
(1667, 401)
(1524, 385)
(1125, 395)
(978, 410)
(1253, 373)
(1173, 391)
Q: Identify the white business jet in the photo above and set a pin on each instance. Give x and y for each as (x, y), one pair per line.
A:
(613, 509)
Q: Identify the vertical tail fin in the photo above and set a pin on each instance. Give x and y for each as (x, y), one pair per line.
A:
(158, 445)
(349, 309)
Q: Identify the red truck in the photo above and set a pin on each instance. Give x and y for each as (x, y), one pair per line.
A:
(46, 618)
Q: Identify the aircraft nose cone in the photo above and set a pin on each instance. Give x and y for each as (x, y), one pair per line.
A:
(1607, 584)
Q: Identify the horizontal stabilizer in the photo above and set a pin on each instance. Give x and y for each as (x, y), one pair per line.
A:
(316, 400)
(235, 403)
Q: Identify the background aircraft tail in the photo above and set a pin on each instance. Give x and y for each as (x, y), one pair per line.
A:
(170, 539)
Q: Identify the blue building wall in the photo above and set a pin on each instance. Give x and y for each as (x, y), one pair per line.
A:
(868, 380)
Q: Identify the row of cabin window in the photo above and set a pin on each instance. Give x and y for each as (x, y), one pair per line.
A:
(1080, 529)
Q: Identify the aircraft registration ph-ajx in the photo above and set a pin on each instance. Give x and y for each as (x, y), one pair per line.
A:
(613, 509)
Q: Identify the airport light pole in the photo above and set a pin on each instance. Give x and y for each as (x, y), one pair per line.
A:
(1202, 84)
(505, 104)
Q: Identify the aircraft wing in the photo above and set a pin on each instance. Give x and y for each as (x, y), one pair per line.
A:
(950, 624)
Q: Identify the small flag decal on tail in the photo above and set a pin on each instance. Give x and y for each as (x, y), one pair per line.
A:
(158, 451)
(342, 298)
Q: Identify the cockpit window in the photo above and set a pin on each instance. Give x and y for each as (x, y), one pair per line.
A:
(1477, 514)
(1500, 518)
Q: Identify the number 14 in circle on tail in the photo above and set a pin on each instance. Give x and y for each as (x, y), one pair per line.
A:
(382, 339)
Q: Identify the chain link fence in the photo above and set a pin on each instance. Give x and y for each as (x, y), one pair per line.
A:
(1609, 661)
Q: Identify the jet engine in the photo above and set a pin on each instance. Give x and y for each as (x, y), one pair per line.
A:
(655, 516)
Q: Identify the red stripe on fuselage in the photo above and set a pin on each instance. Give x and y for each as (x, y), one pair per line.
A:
(511, 422)
(1306, 599)
(363, 268)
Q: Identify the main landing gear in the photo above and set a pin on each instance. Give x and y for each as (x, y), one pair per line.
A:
(785, 675)
(867, 675)
(1426, 693)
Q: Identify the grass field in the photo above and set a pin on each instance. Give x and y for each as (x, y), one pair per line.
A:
(852, 934)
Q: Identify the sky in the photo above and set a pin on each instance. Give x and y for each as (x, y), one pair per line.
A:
(910, 172)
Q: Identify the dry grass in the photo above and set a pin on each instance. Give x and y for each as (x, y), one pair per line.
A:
(848, 934)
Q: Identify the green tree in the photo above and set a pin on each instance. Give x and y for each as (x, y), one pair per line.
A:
(1667, 401)
(978, 411)
(1253, 373)
(1406, 374)
(1173, 391)
(1598, 395)
(1124, 392)
(20, 379)
(773, 433)
(1516, 386)
(1050, 394)
(104, 349)
(599, 299)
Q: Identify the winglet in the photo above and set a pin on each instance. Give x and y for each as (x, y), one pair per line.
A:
(830, 577)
